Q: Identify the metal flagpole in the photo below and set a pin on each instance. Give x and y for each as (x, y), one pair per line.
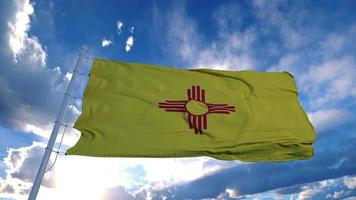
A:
(55, 130)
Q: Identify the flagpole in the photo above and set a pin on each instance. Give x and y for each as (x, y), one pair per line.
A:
(55, 130)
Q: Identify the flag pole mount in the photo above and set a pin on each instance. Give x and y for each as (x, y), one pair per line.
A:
(57, 125)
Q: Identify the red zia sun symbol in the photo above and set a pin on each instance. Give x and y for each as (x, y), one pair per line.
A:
(197, 108)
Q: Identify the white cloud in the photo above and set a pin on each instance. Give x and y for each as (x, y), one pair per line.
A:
(229, 193)
(183, 34)
(114, 172)
(326, 73)
(68, 76)
(106, 42)
(71, 135)
(338, 194)
(350, 182)
(288, 62)
(285, 24)
(164, 173)
(74, 110)
(119, 26)
(19, 41)
(129, 43)
(116, 176)
(333, 44)
(38, 130)
(131, 31)
(308, 193)
(22, 165)
(325, 189)
(331, 81)
(19, 27)
(121, 192)
(325, 119)
(45, 130)
(325, 81)
(30, 91)
(232, 50)
(233, 193)
(332, 188)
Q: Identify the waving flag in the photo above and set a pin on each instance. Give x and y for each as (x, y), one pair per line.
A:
(140, 110)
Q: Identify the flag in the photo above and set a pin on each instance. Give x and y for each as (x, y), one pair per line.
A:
(141, 110)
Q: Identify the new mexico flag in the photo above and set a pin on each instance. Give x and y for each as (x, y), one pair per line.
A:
(140, 110)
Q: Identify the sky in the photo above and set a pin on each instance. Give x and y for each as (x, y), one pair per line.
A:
(40, 41)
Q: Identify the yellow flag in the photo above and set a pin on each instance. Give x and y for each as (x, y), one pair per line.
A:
(140, 110)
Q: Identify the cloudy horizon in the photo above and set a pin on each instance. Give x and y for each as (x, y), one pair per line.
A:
(40, 42)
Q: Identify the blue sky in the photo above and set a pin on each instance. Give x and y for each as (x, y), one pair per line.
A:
(40, 42)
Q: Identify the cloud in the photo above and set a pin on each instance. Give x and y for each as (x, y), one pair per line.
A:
(18, 27)
(325, 71)
(323, 120)
(231, 49)
(120, 192)
(308, 193)
(119, 26)
(289, 62)
(330, 161)
(19, 41)
(236, 44)
(105, 42)
(22, 165)
(5, 188)
(38, 130)
(30, 91)
(74, 110)
(239, 187)
(130, 178)
(350, 182)
(68, 76)
(131, 31)
(233, 193)
(328, 189)
(288, 26)
(330, 82)
(129, 43)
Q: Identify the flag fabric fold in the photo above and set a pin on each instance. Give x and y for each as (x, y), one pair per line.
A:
(140, 110)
